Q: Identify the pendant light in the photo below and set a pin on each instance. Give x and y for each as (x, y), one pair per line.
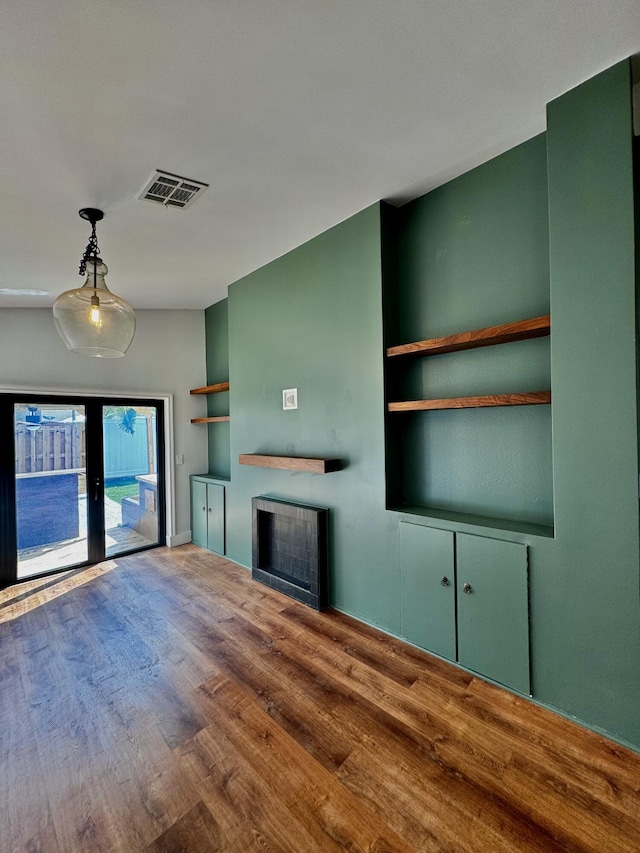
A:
(90, 319)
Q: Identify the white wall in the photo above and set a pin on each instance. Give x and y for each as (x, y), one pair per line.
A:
(167, 357)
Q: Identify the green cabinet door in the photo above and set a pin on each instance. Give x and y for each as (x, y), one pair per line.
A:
(199, 513)
(207, 515)
(493, 609)
(428, 588)
(215, 521)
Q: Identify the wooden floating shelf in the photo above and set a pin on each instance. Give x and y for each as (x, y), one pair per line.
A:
(211, 389)
(532, 398)
(291, 463)
(521, 330)
(210, 420)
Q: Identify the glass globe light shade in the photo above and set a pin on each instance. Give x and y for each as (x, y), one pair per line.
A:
(93, 321)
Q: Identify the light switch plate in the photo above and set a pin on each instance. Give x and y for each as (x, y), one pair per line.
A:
(290, 398)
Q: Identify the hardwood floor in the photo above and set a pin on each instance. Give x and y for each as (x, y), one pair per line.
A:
(165, 702)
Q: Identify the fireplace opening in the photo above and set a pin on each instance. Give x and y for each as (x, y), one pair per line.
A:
(290, 549)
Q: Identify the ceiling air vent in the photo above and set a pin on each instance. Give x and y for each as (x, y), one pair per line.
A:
(171, 190)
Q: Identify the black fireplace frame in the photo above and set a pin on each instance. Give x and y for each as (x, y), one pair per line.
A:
(299, 568)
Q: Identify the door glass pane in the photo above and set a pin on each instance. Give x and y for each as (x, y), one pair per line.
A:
(130, 478)
(51, 494)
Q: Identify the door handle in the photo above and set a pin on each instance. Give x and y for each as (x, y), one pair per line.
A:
(96, 488)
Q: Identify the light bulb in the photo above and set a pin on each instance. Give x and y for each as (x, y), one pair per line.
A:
(95, 316)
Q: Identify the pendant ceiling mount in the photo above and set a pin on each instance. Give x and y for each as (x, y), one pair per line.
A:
(91, 214)
(90, 319)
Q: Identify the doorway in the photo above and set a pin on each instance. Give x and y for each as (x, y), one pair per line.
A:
(81, 480)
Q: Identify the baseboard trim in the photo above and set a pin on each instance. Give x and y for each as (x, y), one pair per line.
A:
(179, 539)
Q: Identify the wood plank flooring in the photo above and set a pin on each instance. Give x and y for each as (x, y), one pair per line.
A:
(165, 702)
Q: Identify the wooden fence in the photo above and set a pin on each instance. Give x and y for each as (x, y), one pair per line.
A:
(51, 447)
(127, 455)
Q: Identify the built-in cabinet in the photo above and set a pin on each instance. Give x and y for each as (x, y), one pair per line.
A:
(208, 513)
(465, 597)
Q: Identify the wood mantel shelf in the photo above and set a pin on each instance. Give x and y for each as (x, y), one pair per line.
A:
(291, 463)
(211, 389)
(530, 398)
(210, 420)
(521, 330)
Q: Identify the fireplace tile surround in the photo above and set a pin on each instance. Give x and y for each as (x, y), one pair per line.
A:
(289, 552)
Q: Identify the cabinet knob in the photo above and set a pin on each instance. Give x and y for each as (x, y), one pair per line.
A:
(204, 509)
(209, 509)
(445, 581)
(467, 588)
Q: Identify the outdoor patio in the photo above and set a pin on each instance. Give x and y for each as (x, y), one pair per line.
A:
(58, 555)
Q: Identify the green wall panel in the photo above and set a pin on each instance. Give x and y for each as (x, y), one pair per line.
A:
(312, 320)
(585, 584)
(217, 343)
(492, 462)
(474, 252)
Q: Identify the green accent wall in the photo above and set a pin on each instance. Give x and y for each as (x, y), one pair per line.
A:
(474, 252)
(470, 254)
(547, 225)
(217, 343)
(312, 320)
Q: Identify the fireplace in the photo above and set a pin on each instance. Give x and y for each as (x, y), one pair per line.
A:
(290, 549)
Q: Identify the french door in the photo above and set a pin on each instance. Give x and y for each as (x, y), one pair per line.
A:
(81, 480)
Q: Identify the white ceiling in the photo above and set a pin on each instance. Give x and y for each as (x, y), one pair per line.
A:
(297, 113)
